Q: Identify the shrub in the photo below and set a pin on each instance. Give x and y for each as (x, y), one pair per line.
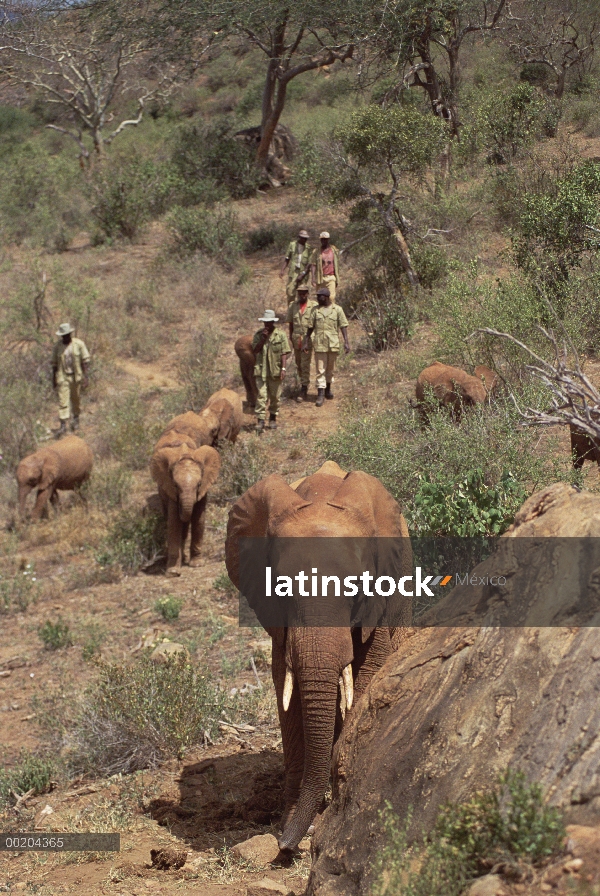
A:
(197, 370)
(489, 451)
(135, 539)
(95, 635)
(135, 716)
(242, 465)
(24, 395)
(125, 431)
(267, 236)
(383, 310)
(223, 583)
(169, 607)
(108, 486)
(30, 773)
(210, 157)
(127, 191)
(214, 232)
(19, 590)
(507, 822)
(431, 264)
(511, 120)
(55, 635)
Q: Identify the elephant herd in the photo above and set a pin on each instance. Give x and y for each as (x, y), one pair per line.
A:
(318, 672)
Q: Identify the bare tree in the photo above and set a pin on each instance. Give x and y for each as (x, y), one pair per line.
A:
(78, 71)
(574, 398)
(559, 35)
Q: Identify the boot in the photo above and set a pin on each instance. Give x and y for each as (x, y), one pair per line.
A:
(320, 398)
(328, 392)
(260, 427)
(272, 421)
(63, 429)
(74, 424)
(303, 394)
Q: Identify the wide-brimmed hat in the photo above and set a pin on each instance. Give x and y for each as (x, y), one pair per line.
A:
(302, 287)
(65, 329)
(269, 317)
(304, 234)
(324, 292)
(324, 235)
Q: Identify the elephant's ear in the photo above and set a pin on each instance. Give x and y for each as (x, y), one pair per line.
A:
(255, 515)
(212, 424)
(160, 465)
(366, 495)
(211, 464)
(50, 469)
(490, 378)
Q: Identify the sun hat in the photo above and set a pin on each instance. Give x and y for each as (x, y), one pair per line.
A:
(304, 234)
(302, 287)
(323, 292)
(324, 235)
(269, 317)
(65, 329)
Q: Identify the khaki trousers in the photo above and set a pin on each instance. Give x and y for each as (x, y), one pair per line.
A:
(329, 282)
(303, 360)
(325, 363)
(68, 398)
(269, 391)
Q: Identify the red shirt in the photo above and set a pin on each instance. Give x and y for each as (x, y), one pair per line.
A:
(327, 262)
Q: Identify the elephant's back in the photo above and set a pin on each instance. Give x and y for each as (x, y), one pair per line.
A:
(192, 428)
(243, 349)
(75, 461)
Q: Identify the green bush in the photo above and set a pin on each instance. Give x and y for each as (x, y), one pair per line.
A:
(169, 607)
(125, 431)
(108, 486)
(431, 264)
(268, 236)
(127, 192)
(507, 823)
(24, 398)
(136, 716)
(214, 232)
(55, 635)
(210, 160)
(242, 465)
(487, 458)
(197, 369)
(223, 583)
(19, 590)
(135, 539)
(510, 120)
(383, 309)
(30, 773)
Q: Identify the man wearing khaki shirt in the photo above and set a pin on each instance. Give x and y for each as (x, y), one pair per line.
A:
(70, 363)
(325, 323)
(298, 318)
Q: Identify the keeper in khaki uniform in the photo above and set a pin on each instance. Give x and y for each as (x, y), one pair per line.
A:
(298, 317)
(324, 325)
(70, 363)
(297, 262)
(324, 266)
(271, 351)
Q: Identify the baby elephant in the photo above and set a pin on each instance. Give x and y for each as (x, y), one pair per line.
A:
(63, 465)
(453, 388)
(582, 448)
(183, 474)
(243, 349)
(227, 406)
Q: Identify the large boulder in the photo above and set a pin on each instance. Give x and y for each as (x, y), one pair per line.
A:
(456, 705)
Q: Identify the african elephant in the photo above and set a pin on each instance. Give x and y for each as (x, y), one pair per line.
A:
(227, 406)
(183, 474)
(64, 465)
(453, 388)
(194, 429)
(582, 448)
(315, 669)
(243, 349)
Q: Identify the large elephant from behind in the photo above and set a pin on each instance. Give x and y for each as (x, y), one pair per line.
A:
(64, 465)
(184, 475)
(452, 388)
(317, 668)
(227, 406)
(243, 349)
(582, 447)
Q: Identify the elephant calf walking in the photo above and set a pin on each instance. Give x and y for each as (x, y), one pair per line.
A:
(243, 349)
(64, 465)
(452, 388)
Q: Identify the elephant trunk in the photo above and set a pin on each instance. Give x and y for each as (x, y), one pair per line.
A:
(318, 694)
(24, 491)
(186, 505)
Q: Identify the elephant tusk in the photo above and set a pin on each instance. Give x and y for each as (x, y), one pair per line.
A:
(342, 698)
(348, 685)
(288, 687)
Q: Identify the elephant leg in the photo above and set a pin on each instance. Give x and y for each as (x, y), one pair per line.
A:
(41, 503)
(369, 657)
(174, 540)
(198, 520)
(292, 734)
